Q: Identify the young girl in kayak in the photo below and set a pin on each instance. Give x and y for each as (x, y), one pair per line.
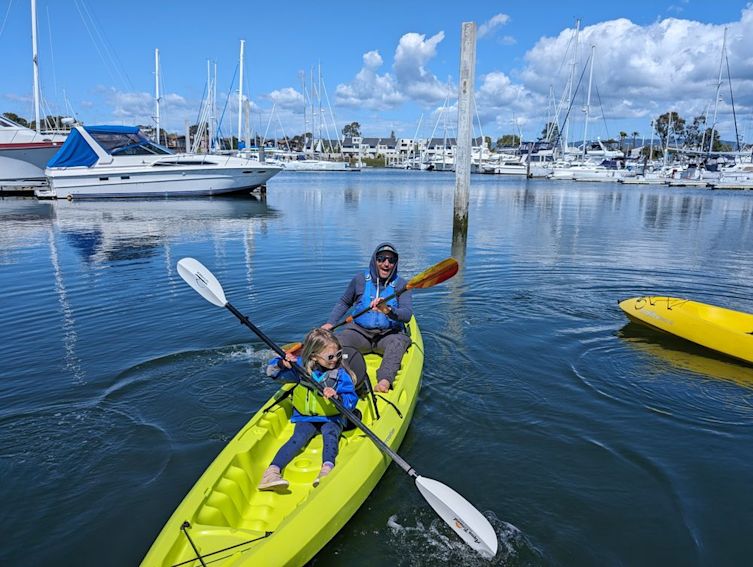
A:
(321, 357)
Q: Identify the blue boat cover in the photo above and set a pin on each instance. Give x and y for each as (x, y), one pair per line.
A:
(76, 151)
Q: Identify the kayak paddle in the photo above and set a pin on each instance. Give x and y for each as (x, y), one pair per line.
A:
(438, 273)
(456, 511)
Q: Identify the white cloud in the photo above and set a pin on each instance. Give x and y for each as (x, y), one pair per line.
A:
(369, 89)
(287, 98)
(411, 57)
(643, 71)
(493, 23)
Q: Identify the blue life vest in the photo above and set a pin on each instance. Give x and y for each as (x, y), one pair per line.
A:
(373, 319)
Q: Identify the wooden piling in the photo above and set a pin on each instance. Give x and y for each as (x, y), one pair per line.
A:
(465, 129)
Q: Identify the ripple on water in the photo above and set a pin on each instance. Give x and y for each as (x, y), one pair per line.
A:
(667, 377)
(74, 456)
(431, 541)
(202, 388)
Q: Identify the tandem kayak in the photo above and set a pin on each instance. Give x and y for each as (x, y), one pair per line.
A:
(226, 521)
(723, 330)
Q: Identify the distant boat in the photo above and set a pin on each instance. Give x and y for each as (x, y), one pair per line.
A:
(119, 161)
(24, 154)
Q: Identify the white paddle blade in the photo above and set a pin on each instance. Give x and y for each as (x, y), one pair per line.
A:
(460, 515)
(202, 280)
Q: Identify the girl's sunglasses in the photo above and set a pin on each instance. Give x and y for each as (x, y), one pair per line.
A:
(330, 357)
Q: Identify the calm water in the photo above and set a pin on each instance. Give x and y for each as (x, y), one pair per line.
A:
(586, 441)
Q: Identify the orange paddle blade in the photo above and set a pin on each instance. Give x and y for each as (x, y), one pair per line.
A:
(292, 348)
(438, 273)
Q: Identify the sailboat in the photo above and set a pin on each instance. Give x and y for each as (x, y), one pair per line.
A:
(23, 151)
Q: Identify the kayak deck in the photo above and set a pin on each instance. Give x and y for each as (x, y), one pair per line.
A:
(231, 522)
(723, 330)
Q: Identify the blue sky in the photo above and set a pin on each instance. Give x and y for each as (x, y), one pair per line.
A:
(385, 64)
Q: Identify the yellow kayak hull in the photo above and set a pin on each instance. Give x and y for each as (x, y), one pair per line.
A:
(723, 330)
(231, 523)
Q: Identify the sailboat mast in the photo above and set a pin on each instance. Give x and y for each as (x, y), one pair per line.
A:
(588, 101)
(240, 96)
(718, 89)
(156, 93)
(35, 62)
(570, 83)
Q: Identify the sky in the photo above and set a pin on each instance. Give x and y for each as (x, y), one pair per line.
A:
(390, 66)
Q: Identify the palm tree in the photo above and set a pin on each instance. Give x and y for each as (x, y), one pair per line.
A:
(635, 135)
(623, 135)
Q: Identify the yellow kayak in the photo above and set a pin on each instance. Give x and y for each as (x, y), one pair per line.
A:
(226, 521)
(717, 328)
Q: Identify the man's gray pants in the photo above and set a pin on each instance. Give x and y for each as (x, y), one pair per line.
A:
(390, 344)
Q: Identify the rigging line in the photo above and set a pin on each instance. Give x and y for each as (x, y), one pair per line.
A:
(52, 54)
(5, 19)
(572, 101)
(603, 116)
(732, 100)
(227, 98)
(112, 53)
(94, 41)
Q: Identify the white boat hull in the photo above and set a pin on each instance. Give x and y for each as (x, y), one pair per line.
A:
(154, 181)
(24, 162)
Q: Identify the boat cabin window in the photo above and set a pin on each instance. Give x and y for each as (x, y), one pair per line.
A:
(121, 144)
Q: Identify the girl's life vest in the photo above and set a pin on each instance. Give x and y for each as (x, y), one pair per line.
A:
(310, 403)
(374, 319)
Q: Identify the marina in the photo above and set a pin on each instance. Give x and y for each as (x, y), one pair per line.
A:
(578, 418)
(492, 274)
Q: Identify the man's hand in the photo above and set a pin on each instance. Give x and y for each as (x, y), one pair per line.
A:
(327, 326)
(383, 386)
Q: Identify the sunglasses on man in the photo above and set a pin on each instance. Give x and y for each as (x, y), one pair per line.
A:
(389, 259)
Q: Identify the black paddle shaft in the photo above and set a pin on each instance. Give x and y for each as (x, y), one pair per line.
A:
(345, 411)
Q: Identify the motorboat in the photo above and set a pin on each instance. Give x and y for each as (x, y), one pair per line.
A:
(24, 154)
(119, 161)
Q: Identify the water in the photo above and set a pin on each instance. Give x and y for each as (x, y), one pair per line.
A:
(585, 441)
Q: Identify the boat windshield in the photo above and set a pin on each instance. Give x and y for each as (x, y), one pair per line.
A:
(124, 144)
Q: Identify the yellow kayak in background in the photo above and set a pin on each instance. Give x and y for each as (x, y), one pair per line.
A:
(226, 521)
(723, 330)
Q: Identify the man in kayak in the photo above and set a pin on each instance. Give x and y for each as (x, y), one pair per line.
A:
(382, 329)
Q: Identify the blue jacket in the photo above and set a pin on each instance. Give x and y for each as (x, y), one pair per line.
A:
(353, 295)
(344, 387)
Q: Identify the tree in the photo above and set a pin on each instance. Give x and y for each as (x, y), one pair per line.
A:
(662, 127)
(634, 135)
(550, 133)
(392, 135)
(623, 135)
(352, 130)
(16, 118)
(694, 133)
(717, 146)
(508, 141)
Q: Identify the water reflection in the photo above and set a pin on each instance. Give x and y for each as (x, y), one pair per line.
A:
(685, 355)
(112, 231)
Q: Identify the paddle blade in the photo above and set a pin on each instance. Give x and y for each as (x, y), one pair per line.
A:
(202, 280)
(460, 515)
(292, 348)
(438, 273)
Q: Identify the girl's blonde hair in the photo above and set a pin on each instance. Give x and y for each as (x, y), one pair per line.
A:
(315, 342)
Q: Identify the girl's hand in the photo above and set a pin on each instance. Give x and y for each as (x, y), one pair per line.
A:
(289, 357)
(329, 393)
